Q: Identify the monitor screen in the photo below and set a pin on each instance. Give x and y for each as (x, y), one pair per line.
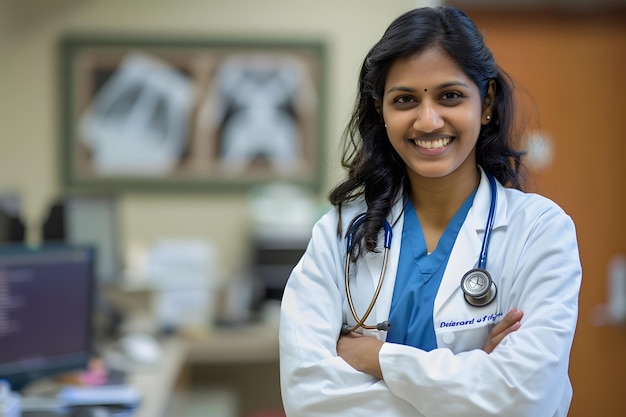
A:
(46, 311)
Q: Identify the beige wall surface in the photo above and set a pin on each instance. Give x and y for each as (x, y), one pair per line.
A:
(29, 99)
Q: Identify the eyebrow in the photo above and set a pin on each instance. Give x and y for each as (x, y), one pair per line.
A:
(439, 87)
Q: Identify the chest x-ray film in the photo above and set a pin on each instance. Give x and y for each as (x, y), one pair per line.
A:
(137, 122)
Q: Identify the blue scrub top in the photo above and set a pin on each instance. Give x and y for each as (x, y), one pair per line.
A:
(418, 278)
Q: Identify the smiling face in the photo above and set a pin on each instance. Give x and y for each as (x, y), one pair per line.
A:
(433, 112)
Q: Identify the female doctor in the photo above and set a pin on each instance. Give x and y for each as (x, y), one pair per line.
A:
(432, 241)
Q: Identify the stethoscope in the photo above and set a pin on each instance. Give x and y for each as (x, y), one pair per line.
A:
(478, 288)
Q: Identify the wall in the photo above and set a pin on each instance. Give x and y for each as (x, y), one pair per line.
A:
(29, 112)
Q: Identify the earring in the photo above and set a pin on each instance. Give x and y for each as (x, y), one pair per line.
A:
(488, 117)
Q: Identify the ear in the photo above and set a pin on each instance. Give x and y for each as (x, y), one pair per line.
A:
(488, 105)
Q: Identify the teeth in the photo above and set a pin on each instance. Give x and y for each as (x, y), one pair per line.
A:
(433, 144)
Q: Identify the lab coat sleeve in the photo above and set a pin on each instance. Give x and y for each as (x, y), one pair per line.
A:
(314, 380)
(526, 375)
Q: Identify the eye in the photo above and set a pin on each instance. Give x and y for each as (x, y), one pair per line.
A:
(404, 101)
(451, 97)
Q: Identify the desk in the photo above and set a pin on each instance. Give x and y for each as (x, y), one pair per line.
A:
(245, 344)
(245, 358)
(156, 384)
(244, 361)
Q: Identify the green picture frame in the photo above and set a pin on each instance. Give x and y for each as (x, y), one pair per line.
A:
(186, 114)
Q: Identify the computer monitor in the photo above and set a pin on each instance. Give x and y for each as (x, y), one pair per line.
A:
(46, 311)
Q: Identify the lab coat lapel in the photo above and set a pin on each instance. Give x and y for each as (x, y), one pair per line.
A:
(466, 250)
(464, 257)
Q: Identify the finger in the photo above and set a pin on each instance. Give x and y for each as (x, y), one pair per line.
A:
(495, 339)
(510, 319)
(510, 323)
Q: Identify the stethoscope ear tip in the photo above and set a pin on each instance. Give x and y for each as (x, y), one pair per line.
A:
(384, 326)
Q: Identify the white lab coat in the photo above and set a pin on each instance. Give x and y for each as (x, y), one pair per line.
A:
(533, 258)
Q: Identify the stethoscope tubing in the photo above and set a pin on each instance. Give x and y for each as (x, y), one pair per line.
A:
(360, 322)
(482, 260)
(475, 300)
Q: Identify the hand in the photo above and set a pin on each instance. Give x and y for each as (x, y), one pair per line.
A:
(509, 324)
(361, 352)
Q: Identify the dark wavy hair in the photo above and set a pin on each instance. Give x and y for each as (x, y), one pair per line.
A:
(375, 170)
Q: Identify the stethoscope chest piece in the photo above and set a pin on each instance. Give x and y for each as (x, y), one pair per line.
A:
(478, 287)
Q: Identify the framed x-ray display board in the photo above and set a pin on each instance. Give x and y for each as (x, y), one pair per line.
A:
(142, 113)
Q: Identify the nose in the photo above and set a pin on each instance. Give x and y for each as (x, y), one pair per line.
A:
(427, 118)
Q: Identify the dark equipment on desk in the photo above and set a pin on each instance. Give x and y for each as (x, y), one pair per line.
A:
(12, 229)
(273, 258)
